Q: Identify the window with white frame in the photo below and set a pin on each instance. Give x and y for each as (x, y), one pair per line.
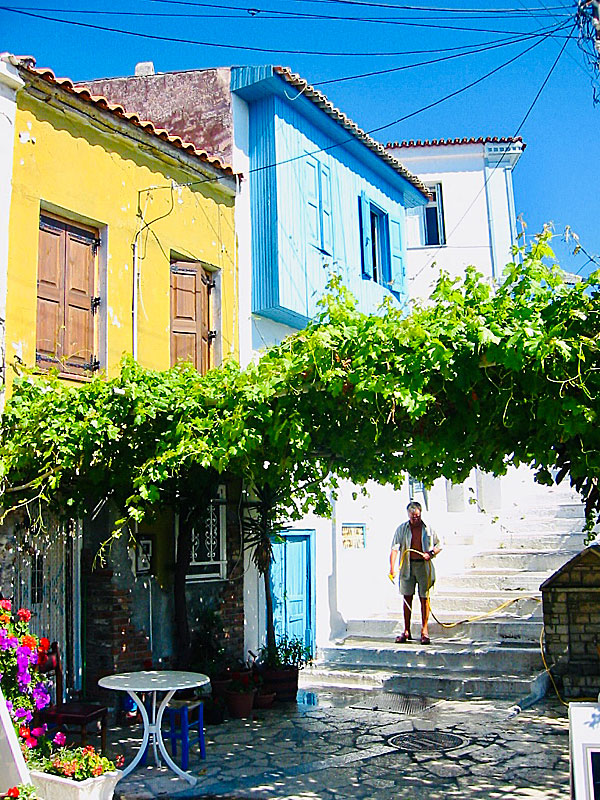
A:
(425, 224)
(209, 555)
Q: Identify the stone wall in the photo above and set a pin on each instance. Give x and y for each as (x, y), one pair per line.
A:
(571, 600)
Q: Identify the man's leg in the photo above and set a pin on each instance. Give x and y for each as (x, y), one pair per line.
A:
(424, 616)
(408, 599)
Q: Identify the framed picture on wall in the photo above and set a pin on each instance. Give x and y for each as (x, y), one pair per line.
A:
(584, 745)
(143, 561)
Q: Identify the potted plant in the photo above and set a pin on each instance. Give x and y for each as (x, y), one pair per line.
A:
(280, 666)
(239, 696)
(79, 773)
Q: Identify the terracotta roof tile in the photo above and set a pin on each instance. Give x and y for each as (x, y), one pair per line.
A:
(458, 141)
(320, 100)
(28, 63)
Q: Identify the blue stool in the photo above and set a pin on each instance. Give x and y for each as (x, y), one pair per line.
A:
(180, 712)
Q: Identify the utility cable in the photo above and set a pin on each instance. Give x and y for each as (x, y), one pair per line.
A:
(255, 13)
(374, 73)
(488, 177)
(249, 48)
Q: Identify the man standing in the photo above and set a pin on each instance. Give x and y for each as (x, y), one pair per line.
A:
(416, 544)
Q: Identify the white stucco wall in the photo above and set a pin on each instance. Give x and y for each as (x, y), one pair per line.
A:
(10, 83)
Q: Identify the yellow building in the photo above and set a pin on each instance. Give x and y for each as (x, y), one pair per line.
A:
(121, 238)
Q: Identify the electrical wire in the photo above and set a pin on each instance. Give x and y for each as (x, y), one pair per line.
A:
(429, 62)
(249, 48)
(255, 13)
(488, 177)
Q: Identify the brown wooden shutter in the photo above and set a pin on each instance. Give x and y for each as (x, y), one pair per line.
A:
(190, 314)
(65, 322)
(79, 290)
(50, 310)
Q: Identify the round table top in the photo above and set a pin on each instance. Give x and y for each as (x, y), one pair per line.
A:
(153, 681)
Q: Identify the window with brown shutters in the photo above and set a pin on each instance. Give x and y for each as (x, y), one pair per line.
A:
(191, 336)
(65, 297)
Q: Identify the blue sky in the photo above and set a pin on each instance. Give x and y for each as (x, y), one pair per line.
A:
(557, 178)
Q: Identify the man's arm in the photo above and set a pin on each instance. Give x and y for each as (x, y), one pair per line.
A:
(393, 560)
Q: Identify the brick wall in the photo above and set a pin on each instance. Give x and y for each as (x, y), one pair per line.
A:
(112, 643)
(571, 600)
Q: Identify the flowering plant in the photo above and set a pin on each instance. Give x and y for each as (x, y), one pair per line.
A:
(78, 763)
(245, 683)
(23, 687)
(24, 790)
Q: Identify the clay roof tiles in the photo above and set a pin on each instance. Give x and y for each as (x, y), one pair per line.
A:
(28, 63)
(464, 140)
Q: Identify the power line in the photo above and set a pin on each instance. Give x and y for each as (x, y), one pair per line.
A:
(432, 61)
(426, 107)
(516, 133)
(254, 13)
(249, 48)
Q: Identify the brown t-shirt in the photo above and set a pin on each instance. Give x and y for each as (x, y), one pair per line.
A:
(416, 541)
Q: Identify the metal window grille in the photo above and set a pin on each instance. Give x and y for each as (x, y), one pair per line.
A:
(209, 558)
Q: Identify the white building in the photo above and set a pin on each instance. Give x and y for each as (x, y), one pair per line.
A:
(470, 219)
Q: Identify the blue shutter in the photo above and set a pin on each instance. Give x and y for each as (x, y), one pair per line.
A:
(326, 221)
(396, 256)
(365, 235)
(312, 202)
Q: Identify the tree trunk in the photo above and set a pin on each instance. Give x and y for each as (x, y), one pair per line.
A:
(269, 603)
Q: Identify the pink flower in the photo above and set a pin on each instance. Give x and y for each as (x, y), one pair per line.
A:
(24, 614)
(60, 739)
(6, 605)
(31, 743)
(37, 732)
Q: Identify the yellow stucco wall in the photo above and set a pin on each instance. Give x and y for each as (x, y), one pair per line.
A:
(77, 168)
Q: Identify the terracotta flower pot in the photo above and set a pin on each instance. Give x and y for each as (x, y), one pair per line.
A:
(282, 681)
(239, 704)
(264, 699)
(219, 686)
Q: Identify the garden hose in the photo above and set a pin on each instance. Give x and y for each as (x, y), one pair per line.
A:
(476, 618)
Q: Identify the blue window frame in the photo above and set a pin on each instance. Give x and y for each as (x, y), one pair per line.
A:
(318, 198)
(381, 246)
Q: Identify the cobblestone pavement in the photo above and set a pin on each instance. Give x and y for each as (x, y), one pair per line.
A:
(330, 751)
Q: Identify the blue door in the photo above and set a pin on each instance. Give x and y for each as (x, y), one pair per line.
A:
(291, 581)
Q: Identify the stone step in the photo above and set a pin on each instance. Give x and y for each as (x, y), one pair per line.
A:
(442, 683)
(461, 603)
(531, 559)
(504, 628)
(541, 541)
(494, 580)
(567, 525)
(442, 654)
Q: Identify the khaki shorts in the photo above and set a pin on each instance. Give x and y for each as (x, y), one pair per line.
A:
(421, 576)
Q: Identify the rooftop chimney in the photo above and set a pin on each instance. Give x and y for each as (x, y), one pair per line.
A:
(144, 68)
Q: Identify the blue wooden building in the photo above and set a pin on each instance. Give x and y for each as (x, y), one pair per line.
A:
(325, 198)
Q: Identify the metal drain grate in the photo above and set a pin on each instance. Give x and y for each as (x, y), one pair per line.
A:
(396, 703)
(416, 741)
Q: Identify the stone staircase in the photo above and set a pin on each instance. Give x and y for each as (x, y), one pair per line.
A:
(495, 656)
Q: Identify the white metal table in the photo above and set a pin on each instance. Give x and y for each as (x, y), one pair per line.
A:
(154, 681)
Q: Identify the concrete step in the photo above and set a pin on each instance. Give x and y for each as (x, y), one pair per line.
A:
(502, 628)
(436, 683)
(494, 580)
(441, 654)
(463, 602)
(536, 560)
(566, 525)
(536, 540)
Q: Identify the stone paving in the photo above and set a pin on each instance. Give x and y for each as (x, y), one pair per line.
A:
(324, 749)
